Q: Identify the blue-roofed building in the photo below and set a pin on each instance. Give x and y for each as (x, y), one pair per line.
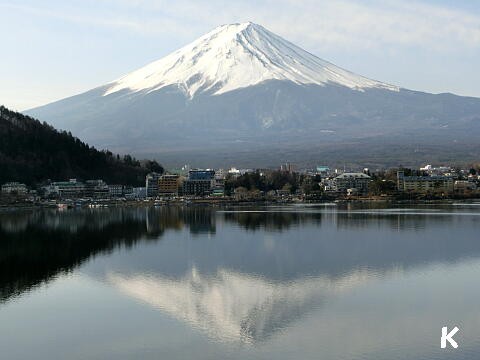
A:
(323, 170)
(198, 174)
(199, 182)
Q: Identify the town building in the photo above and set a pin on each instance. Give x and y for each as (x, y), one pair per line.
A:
(219, 187)
(235, 173)
(116, 191)
(14, 188)
(127, 190)
(424, 184)
(151, 184)
(440, 170)
(221, 173)
(169, 184)
(65, 189)
(323, 170)
(352, 183)
(328, 186)
(288, 167)
(218, 192)
(199, 182)
(464, 186)
(136, 193)
(96, 189)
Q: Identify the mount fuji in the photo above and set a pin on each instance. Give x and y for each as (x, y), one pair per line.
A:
(241, 90)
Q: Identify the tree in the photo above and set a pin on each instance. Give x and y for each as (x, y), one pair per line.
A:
(309, 185)
(380, 186)
(31, 152)
(153, 166)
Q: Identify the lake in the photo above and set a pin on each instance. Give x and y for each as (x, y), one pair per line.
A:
(288, 282)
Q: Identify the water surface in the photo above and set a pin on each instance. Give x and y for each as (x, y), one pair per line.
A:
(293, 282)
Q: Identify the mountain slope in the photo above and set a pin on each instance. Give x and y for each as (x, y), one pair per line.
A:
(240, 86)
(31, 152)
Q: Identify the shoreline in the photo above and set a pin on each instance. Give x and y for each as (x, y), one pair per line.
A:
(63, 205)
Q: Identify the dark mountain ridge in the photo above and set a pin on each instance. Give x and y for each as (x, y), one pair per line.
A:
(32, 152)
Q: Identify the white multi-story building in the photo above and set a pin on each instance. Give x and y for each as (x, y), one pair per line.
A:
(66, 189)
(14, 188)
(355, 182)
(116, 190)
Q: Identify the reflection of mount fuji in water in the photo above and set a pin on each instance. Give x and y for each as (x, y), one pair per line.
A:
(231, 306)
(238, 275)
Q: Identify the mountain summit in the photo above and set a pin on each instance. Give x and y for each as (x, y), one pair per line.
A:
(241, 94)
(237, 56)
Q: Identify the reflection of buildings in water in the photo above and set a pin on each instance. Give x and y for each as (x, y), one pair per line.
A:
(197, 219)
(346, 216)
(71, 221)
(156, 220)
(200, 220)
(231, 306)
(272, 219)
(396, 219)
(13, 222)
(203, 219)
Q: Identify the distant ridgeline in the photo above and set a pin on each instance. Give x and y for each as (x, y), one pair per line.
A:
(31, 152)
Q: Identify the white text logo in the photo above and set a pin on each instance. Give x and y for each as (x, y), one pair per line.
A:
(448, 336)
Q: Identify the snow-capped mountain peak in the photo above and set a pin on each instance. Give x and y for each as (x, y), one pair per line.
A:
(236, 56)
(260, 99)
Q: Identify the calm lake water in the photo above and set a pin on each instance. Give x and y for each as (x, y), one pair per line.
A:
(296, 282)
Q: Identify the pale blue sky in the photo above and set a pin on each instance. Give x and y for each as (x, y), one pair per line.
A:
(54, 49)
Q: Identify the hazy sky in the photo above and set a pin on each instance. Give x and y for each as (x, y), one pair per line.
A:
(54, 49)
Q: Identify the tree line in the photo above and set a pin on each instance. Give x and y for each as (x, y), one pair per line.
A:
(32, 152)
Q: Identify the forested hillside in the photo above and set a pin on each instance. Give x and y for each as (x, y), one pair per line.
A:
(32, 152)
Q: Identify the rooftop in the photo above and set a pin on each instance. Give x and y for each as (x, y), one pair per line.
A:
(353, 175)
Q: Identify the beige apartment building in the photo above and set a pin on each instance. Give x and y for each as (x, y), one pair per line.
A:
(424, 184)
(168, 184)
